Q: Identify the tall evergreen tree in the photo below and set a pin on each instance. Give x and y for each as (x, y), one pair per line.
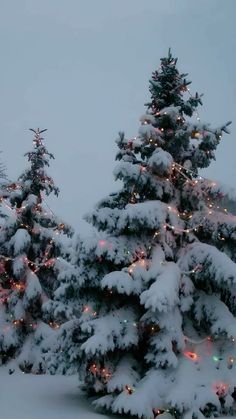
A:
(30, 262)
(158, 325)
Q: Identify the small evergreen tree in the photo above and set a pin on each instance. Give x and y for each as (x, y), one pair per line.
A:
(158, 325)
(31, 263)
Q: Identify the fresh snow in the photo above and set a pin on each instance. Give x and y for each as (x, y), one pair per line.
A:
(161, 162)
(20, 241)
(26, 396)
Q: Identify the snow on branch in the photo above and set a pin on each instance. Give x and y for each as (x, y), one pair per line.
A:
(210, 308)
(116, 329)
(151, 214)
(216, 265)
(163, 294)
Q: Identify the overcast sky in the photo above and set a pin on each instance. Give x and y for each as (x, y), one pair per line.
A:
(81, 68)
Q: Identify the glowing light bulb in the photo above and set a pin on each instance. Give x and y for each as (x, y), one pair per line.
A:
(129, 389)
(191, 355)
(102, 243)
(86, 309)
(231, 361)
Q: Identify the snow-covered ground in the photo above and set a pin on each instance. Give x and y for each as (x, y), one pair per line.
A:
(24, 396)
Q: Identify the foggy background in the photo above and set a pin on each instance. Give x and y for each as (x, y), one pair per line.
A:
(81, 68)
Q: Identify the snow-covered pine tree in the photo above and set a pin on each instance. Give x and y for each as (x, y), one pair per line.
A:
(30, 263)
(86, 256)
(158, 328)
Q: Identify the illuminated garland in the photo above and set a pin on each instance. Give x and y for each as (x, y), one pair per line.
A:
(46, 260)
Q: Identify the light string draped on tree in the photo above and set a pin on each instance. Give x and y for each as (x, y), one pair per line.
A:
(30, 259)
(156, 284)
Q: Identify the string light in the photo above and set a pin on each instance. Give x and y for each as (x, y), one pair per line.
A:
(180, 168)
(182, 230)
(191, 355)
(220, 388)
(18, 286)
(86, 309)
(215, 358)
(102, 372)
(158, 411)
(46, 260)
(231, 360)
(140, 263)
(129, 390)
(198, 268)
(54, 325)
(18, 322)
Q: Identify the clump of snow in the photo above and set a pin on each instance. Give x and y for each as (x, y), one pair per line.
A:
(128, 170)
(217, 266)
(33, 288)
(122, 281)
(163, 294)
(20, 241)
(161, 162)
(115, 329)
(148, 131)
(150, 214)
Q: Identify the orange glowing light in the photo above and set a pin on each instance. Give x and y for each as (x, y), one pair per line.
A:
(129, 389)
(191, 355)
